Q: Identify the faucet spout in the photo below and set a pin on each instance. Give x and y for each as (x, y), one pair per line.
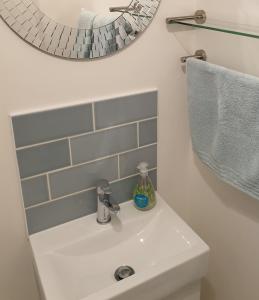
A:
(113, 207)
(105, 207)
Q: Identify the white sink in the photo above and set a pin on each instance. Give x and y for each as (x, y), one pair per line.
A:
(77, 260)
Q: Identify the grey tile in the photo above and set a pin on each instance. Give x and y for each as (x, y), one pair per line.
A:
(147, 132)
(122, 190)
(82, 177)
(92, 146)
(53, 124)
(58, 212)
(35, 191)
(153, 177)
(130, 160)
(40, 159)
(125, 109)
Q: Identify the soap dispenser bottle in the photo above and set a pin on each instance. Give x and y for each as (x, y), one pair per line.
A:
(144, 193)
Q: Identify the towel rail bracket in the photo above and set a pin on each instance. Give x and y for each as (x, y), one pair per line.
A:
(199, 54)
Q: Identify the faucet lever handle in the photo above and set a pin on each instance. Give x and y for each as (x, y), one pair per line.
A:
(105, 207)
(115, 209)
(103, 187)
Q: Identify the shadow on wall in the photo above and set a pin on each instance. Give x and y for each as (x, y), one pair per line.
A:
(230, 196)
(207, 289)
(236, 201)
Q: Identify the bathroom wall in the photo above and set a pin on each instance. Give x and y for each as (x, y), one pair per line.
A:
(226, 219)
(31, 80)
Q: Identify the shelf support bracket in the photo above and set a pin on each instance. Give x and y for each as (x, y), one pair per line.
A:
(199, 17)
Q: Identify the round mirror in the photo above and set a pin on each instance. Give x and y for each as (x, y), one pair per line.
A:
(78, 29)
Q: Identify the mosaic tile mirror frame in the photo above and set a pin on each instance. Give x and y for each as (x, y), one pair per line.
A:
(87, 40)
(62, 154)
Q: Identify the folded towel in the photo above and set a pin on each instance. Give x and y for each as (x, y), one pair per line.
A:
(104, 19)
(86, 19)
(224, 121)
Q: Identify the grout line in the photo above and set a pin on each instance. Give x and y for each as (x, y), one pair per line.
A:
(119, 172)
(88, 162)
(138, 141)
(93, 116)
(40, 144)
(132, 175)
(75, 193)
(86, 190)
(48, 185)
(32, 177)
(62, 197)
(83, 163)
(70, 167)
(85, 133)
(70, 152)
(135, 149)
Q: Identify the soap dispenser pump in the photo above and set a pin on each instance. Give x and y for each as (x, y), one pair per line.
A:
(144, 193)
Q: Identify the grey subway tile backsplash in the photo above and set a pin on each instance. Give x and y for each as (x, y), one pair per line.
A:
(83, 177)
(62, 153)
(130, 160)
(104, 143)
(147, 132)
(43, 158)
(35, 191)
(48, 125)
(125, 109)
(60, 211)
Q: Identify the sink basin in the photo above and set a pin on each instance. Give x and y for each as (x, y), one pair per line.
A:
(77, 260)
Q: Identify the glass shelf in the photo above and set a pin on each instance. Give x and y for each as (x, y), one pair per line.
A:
(214, 25)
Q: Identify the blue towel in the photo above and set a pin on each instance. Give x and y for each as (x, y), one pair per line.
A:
(86, 19)
(224, 120)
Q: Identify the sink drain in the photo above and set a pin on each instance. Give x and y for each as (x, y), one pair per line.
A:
(123, 272)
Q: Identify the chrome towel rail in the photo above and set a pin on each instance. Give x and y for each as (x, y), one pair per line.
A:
(121, 8)
(199, 17)
(132, 10)
(199, 54)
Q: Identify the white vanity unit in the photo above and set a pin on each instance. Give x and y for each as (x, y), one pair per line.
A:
(77, 260)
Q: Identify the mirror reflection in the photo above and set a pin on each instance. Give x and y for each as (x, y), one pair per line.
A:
(78, 29)
(83, 14)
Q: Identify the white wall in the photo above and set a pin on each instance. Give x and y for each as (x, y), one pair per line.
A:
(33, 80)
(226, 219)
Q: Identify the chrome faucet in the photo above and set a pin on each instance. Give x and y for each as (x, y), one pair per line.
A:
(105, 208)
